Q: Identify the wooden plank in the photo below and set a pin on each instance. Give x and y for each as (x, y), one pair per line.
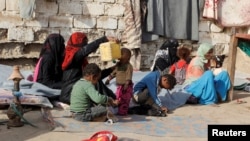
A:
(231, 63)
(242, 36)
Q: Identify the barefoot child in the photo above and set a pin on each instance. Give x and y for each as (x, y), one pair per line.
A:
(123, 73)
(86, 103)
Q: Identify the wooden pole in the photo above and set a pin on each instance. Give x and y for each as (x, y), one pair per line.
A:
(231, 61)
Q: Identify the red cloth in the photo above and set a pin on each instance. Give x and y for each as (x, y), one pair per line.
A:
(124, 96)
(103, 136)
(75, 42)
(180, 64)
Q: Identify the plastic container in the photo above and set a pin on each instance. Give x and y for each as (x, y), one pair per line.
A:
(110, 51)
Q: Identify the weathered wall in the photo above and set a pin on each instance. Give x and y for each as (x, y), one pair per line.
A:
(21, 40)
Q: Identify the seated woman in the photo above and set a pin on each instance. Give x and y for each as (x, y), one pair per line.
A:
(166, 55)
(77, 51)
(48, 70)
(201, 82)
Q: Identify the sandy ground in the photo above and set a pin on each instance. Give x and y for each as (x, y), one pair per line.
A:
(224, 113)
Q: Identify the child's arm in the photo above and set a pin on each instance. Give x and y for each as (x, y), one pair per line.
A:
(95, 96)
(129, 75)
(111, 76)
(152, 86)
(172, 69)
(112, 102)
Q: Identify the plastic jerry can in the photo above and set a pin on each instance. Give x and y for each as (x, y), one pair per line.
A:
(110, 51)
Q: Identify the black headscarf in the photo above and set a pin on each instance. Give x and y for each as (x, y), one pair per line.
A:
(172, 45)
(54, 47)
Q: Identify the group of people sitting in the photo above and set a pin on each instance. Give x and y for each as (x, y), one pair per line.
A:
(82, 85)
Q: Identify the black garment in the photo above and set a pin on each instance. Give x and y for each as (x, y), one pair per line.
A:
(50, 70)
(74, 72)
(167, 55)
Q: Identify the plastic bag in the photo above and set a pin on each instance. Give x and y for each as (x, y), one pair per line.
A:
(103, 136)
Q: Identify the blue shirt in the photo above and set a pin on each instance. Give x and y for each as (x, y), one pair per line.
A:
(151, 82)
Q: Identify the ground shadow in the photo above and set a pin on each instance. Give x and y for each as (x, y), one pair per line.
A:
(238, 94)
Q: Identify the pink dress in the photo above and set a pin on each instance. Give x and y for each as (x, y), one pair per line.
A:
(36, 71)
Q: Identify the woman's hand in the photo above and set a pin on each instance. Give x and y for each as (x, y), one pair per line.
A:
(112, 39)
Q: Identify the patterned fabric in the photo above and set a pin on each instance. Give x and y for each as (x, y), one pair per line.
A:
(6, 97)
(133, 23)
(228, 13)
(133, 30)
(166, 55)
(160, 54)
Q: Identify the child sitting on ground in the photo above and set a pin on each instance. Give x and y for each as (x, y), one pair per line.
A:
(86, 103)
(216, 63)
(123, 73)
(178, 69)
(146, 94)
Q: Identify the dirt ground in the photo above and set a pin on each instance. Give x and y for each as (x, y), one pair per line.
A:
(225, 113)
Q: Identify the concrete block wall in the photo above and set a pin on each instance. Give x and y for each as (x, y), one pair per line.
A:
(21, 39)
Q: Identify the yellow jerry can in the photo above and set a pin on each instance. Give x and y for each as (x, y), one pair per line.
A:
(110, 51)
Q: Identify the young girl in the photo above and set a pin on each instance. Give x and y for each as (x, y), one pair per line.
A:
(178, 69)
(86, 103)
(123, 73)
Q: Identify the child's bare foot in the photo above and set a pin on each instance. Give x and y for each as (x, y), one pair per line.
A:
(112, 117)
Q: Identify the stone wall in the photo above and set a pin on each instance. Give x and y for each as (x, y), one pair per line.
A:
(21, 39)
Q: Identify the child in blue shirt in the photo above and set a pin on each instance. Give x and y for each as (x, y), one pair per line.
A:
(147, 89)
